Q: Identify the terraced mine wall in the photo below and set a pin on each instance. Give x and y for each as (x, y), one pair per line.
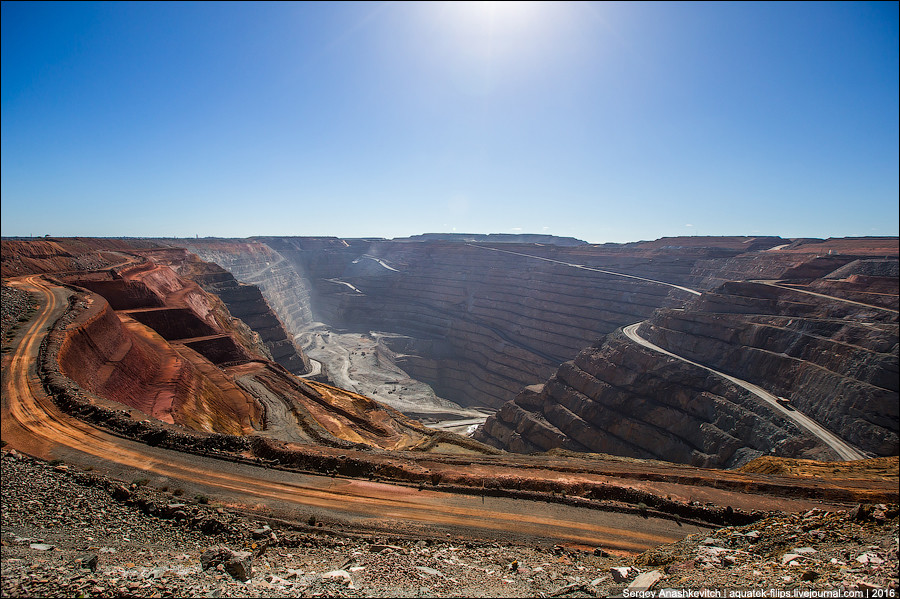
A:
(285, 286)
(623, 399)
(798, 259)
(122, 294)
(450, 473)
(834, 361)
(475, 323)
(181, 368)
(244, 301)
(175, 308)
(173, 323)
(162, 357)
(125, 364)
(47, 255)
(482, 322)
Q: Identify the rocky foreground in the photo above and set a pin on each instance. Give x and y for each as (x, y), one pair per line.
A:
(17, 307)
(75, 533)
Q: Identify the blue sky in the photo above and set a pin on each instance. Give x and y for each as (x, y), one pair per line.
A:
(602, 121)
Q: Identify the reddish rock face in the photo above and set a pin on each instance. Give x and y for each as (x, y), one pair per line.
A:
(150, 339)
(20, 257)
(245, 302)
(122, 360)
(157, 352)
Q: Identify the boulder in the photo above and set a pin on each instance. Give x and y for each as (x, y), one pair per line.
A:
(236, 563)
(239, 565)
(644, 581)
(89, 561)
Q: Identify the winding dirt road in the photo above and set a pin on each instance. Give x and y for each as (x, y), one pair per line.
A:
(381, 262)
(590, 268)
(843, 449)
(33, 424)
(775, 283)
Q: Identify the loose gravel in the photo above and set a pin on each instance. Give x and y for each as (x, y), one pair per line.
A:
(17, 307)
(73, 533)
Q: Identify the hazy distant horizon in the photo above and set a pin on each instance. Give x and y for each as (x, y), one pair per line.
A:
(606, 122)
(376, 237)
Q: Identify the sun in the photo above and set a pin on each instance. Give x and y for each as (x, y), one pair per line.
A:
(501, 15)
(482, 47)
(491, 28)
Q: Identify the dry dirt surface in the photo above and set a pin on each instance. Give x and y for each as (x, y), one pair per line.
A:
(73, 533)
(871, 469)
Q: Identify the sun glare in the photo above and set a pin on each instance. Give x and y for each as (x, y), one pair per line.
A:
(491, 31)
(499, 16)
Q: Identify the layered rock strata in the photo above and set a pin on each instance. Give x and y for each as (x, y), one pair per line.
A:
(478, 324)
(623, 399)
(807, 259)
(123, 361)
(834, 359)
(179, 358)
(284, 286)
(44, 255)
(244, 301)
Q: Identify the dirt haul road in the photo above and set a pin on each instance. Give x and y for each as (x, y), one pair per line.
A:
(32, 423)
(843, 449)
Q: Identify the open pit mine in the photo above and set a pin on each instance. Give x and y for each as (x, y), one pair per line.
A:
(535, 331)
(667, 382)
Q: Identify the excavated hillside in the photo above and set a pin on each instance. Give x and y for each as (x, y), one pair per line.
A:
(825, 347)
(152, 341)
(244, 302)
(531, 329)
(706, 351)
(285, 287)
(140, 336)
(475, 322)
(21, 257)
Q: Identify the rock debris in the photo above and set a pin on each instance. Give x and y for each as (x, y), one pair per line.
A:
(78, 534)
